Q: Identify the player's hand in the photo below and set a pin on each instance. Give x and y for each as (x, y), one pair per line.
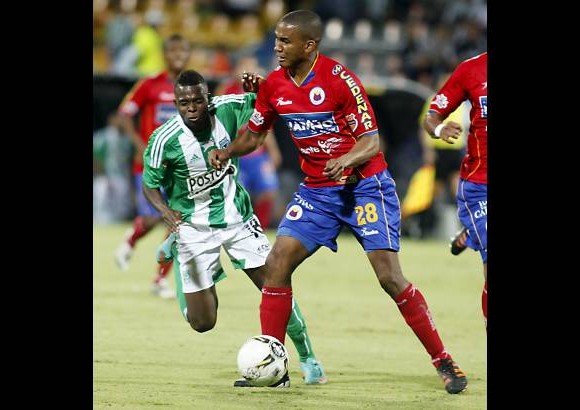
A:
(251, 82)
(334, 169)
(450, 132)
(217, 157)
(172, 219)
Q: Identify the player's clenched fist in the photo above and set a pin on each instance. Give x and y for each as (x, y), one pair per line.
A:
(217, 157)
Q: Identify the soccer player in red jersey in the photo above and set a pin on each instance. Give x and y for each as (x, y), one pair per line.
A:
(347, 183)
(467, 82)
(151, 98)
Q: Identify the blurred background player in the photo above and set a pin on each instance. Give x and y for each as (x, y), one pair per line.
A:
(258, 170)
(467, 82)
(152, 99)
(112, 152)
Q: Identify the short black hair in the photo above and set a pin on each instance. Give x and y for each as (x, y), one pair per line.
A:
(189, 77)
(309, 23)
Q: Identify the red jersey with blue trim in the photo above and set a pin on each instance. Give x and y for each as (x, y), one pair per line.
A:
(325, 115)
(468, 82)
(152, 97)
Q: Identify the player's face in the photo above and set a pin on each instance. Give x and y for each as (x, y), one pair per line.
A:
(192, 104)
(290, 46)
(177, 55)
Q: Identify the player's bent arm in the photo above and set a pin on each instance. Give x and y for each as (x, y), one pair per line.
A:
(365, 148)
(272, 148)
(171, 218)
(433, 124)
(249, 141)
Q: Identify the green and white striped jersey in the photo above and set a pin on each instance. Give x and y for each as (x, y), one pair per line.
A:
(176, 160)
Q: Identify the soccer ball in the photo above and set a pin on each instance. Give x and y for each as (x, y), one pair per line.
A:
(262, 360)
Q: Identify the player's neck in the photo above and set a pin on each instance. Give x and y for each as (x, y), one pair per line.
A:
(300, 72)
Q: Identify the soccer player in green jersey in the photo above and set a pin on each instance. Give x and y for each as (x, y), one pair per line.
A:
(208, 208)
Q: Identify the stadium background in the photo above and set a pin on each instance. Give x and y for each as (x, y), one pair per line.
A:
(397, 47)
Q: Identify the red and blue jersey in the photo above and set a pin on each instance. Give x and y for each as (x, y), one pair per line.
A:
(468, 82)
(152, 98)
(326, 114)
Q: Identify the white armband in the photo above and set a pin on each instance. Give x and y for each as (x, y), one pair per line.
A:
(437, 130)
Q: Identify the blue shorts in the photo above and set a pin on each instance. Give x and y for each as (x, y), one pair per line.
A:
(369, 208)
(472, 212)
(257, 174)
(144, 208)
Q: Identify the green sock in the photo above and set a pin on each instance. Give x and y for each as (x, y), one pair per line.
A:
(178, 288)
(296, 329)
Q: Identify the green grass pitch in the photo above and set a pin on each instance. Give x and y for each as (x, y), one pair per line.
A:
(146, 356)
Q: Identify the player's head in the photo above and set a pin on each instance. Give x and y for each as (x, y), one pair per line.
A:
(192, 99)
(298, 34)
(176, 50)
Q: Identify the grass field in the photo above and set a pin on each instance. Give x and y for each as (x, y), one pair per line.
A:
(146, 356)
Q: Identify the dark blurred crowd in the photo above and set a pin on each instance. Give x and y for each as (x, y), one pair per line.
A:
(414, 39)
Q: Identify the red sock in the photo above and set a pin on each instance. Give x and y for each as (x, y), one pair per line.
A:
(163, 270)
(275, 311)
(484, 303)
(139, 230)
(263, 210)
(414, 309)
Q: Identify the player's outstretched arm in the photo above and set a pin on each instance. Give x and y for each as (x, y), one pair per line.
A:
(249, 141)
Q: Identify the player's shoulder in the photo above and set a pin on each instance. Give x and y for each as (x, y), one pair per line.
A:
(225, 102)
(333, 70)
(480, 59)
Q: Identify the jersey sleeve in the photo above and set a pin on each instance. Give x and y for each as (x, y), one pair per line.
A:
(356, 106)
(154, 167)
(263, 114)
(451, 95)
(234, 110)
(135, 99)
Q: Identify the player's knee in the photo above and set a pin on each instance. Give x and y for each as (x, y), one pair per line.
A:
(202, 325)
(392, 282)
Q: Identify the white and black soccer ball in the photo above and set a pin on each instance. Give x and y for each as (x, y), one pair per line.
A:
(262, 360)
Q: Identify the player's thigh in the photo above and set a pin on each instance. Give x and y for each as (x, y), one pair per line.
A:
(472, 212)
(374, 215)
(202, 307)
(198, 254)
(312, 218)
(245, 244)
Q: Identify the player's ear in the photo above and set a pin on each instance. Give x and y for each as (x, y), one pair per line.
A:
(310, 45)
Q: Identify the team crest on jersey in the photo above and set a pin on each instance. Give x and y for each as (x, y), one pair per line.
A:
(352, 121)
(317, 96)
(336, 69)
(441, 101)
(294, 212)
